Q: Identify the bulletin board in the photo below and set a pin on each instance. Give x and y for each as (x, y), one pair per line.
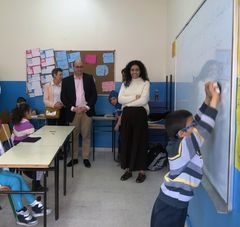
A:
(100, 64)
(40, 63)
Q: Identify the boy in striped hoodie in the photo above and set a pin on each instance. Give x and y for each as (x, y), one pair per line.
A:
(187, 135)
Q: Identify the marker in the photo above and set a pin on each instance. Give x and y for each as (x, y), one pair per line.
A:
(217, 87)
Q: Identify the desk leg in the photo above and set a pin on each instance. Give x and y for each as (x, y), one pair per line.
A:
(45, 200)
(113, 140)
(72, 157)
(93, 138)
(56, 171)
(114, 145)
(65, 169)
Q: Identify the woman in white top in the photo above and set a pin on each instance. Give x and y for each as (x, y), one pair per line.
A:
(134, 97)
(51, 96)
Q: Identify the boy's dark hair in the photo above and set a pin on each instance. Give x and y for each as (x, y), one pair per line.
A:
(19, 112)
(175, 121)
(21, 100)
(55, 71)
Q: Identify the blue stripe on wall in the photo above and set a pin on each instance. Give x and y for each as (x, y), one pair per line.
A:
(203, 213)
(11, 90)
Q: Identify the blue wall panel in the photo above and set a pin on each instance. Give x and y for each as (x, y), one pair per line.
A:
(203, 213)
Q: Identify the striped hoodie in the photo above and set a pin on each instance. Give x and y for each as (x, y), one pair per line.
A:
(22, 131)
(185, 161)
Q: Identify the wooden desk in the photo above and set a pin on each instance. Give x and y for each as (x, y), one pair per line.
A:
(110, 119)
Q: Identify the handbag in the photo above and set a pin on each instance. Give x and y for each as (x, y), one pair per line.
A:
(52, 113)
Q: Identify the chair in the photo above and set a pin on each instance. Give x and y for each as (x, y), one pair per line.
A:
(7, 189)
(5, 134)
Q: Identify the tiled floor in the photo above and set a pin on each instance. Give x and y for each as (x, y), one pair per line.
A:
(97, 198)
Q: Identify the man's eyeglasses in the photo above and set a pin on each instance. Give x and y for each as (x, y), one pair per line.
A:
(78, 67)
(187, 127)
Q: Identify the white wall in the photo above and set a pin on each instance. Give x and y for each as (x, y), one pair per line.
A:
(178, 14)
(136, 29)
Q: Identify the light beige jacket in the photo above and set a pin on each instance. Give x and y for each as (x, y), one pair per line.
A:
(48, 97)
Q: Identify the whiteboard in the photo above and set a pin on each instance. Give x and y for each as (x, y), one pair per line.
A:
(204, 52)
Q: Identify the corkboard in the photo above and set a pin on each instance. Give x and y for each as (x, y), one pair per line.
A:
(98, 63)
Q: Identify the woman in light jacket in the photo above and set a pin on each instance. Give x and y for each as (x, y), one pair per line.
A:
(134, 97)
(52, 99)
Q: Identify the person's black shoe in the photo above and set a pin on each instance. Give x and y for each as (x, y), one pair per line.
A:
(86, 163)
(141, 178)
(36, 186)
(72, 162)
(25, 218)
(126, 176)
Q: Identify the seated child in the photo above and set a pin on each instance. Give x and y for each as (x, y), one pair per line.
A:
(22, 128)
(113, 100)
(16, 183)
(21, 100)
(187, 135)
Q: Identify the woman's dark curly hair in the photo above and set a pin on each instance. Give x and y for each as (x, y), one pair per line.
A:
(127, 74)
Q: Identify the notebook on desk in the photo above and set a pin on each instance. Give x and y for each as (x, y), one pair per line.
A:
(31, 139)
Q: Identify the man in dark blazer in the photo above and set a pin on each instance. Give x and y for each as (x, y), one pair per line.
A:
(79, 96)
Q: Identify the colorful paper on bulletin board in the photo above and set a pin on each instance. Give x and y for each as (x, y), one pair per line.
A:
(48, 69)
(35, 52)
(65, 73)
(102, 70)
(61, 55)
(108, 58)
(63, 64)
(36, 61)
(29, 70)
(36, 69)
(47, 61)
(74, 56)
(49, 53)
(90, 59)
(46, 78)
(28, 54)
(108, 86)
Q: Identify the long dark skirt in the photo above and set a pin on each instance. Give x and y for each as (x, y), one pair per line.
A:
(134, 133)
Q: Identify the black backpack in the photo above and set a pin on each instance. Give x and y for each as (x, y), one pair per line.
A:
(156, 157)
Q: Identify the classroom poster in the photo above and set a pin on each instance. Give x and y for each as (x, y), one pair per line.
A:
(39, 66)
